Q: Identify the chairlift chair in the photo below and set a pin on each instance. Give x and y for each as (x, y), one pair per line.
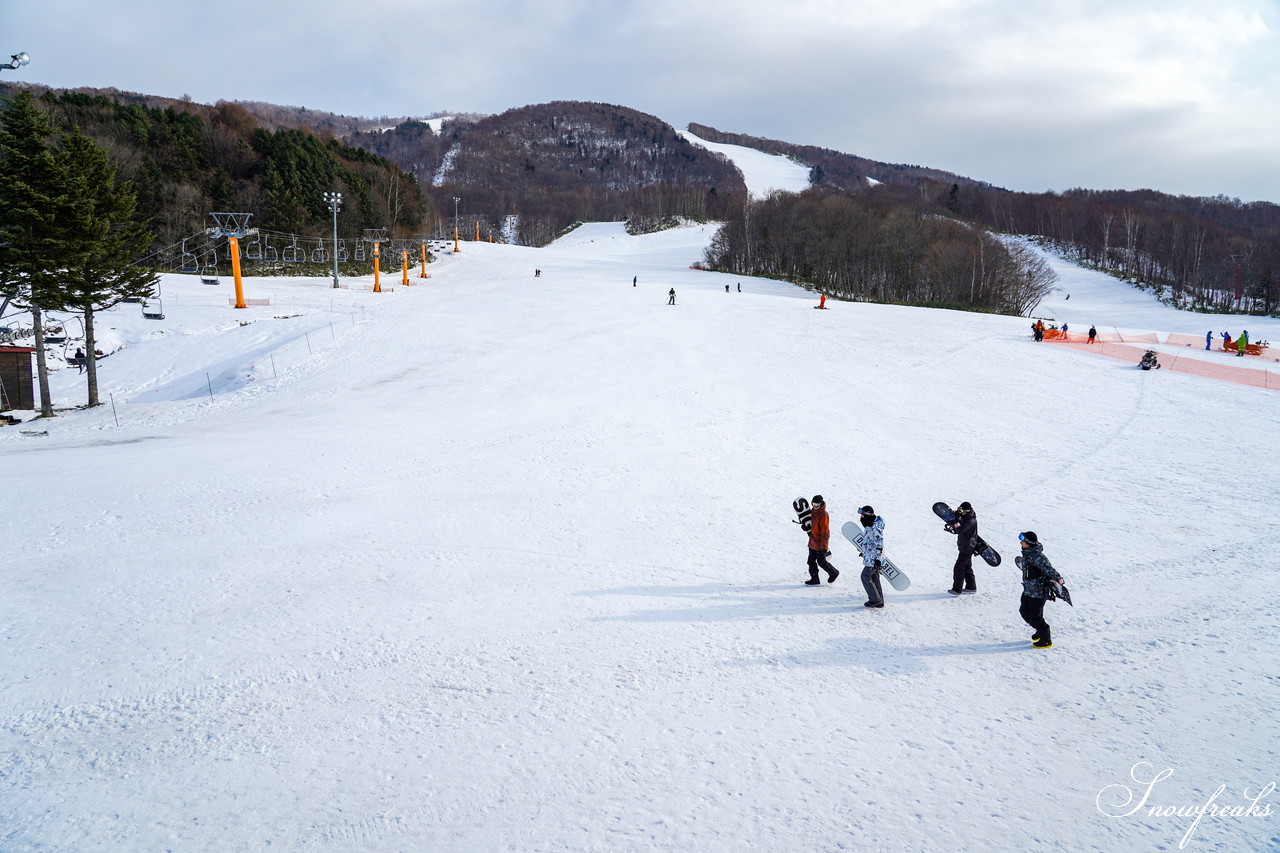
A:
(209, 275)
(153, 308)
(341, 251)
(253, 251)
(318, 254)
(187, 262)
(360, 254)
(269, 253)
(293, 253)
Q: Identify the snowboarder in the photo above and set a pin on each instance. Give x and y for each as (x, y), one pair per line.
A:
(966, 529)
(1093, 334)
(1149, 360)
(634, 279)
(819, 542)
(671, 296)
(872, 553)
(1037, 576)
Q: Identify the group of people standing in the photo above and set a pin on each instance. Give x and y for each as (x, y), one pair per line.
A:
(1241, 343)
(1038, 574)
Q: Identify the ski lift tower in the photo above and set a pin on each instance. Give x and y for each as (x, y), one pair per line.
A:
(422, 239)
(375, 236)
(233, 226)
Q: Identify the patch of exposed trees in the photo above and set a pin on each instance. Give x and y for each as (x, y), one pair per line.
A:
(1205, 254)
(881, 246)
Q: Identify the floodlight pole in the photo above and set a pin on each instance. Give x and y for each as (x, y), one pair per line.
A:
(18, 60)
(335, 202)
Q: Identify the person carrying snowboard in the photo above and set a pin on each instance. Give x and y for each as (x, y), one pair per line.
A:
(872, 553)
(1038, 578)
(819, 542)
(965, 527)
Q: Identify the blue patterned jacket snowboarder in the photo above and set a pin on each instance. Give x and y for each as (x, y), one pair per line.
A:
(1038, 574)
(873, 542)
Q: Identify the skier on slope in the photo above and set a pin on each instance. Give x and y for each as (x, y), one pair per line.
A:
(966, 529)
(671, 296)
(1038, 578)
(819, 542)
(872, 553)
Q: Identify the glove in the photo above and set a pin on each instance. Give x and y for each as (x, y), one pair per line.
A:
(877, 564)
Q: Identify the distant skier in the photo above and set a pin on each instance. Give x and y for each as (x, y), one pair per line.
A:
(726, 288)
(1093, 334)
(1037, 330)
(739, 287)
(1038, 576)
(965, 527)
(671, 296)
(1208, 340)
(1064, 331)
(1242, 343)
(872, 553)
(634, 279)
(819, 542)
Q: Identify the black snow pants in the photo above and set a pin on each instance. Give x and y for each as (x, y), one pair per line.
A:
(1032, 612)
(819, 559)
(962, 573)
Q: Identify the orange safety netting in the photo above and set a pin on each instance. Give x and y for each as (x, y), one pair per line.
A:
(1194, 366)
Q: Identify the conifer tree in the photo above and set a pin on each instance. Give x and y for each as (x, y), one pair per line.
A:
(102, 271)
(38, 212)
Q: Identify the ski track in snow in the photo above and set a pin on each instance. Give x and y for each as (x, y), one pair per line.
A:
(502, 564)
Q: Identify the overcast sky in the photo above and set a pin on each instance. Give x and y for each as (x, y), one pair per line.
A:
(1031, 95)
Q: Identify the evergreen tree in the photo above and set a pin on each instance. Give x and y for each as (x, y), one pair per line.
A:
(39, 212)
(108, 242)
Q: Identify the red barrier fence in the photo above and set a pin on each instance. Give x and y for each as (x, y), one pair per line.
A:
(1181, 364)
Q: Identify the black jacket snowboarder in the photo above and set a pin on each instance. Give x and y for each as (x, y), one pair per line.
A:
(966, 529)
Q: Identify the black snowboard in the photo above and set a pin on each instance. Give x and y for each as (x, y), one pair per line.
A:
(1058, 590)
(980, 547)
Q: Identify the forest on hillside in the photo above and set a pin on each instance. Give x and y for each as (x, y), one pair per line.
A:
(1208, 254)
(880, 246)
(558, 163)
(188, 160)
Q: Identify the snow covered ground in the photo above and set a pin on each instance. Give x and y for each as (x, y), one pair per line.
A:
(504, 563)
(762, 172)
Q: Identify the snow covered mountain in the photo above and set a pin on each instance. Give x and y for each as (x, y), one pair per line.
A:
(498, 561)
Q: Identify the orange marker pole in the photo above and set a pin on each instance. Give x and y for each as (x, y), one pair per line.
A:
(404, 260)
(423, 274)
(377, 285)
(455, 238)
(235, 270)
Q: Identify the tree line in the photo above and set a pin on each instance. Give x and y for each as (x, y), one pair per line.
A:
(882, 245)
(1205, 254)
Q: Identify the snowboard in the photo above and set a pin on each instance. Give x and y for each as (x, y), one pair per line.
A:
(853, 531)
(1059, 589)
(804, 514)
(980, 547)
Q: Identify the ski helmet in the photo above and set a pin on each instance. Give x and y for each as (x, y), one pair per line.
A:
(818, 501)
(867, 510)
